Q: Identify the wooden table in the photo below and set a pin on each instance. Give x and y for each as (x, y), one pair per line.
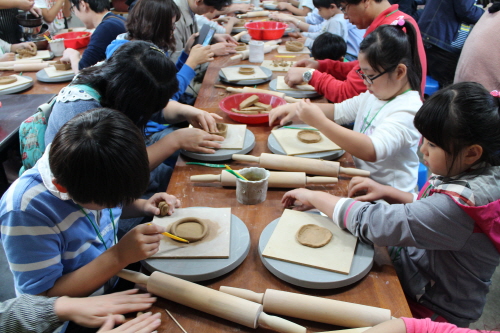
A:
(379, 288)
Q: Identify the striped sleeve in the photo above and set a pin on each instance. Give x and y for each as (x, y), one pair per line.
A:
(29, 313)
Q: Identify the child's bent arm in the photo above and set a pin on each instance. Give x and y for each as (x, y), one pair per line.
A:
(49, 14)
(390, 326)
(310, 199)
(373, 191)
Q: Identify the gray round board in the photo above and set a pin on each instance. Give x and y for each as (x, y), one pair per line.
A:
(195, 270)
(314, 278)
(267, 71)
(276, 148)
(21, 87)
(42, 76)
(224, 154)
(293, 93)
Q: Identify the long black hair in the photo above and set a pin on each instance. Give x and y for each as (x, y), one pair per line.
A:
(138, 80)
(461, 115)
(389, 45)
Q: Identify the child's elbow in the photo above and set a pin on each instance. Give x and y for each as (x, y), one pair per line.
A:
(371, 157)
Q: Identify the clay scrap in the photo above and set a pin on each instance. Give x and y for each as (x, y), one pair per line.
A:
(313, 235)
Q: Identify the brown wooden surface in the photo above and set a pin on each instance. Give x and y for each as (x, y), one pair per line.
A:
(379, 288)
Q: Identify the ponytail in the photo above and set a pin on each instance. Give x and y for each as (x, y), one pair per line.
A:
(391, 45)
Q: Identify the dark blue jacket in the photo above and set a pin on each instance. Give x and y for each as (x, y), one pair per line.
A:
(441, 20)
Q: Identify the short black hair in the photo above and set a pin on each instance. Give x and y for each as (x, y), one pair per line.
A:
(97, 6)
(461, 115)
(217, 4)
(100, 157)
(323, 3)
(342, 3)
(151, 20)
(328, 46)
(138, 80)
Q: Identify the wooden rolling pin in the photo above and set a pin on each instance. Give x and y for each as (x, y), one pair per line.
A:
(302, 164)
(263, 91)
(313, 308)
(211, 301)
(20, 61)
(27, 67)
(276, 179)
(255, 14)
(245, 54)
(239, 35)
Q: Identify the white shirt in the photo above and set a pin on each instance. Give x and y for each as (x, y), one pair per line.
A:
(201, 20)
(306, 3)
(58, 22)
(389, 124)
(336, 24)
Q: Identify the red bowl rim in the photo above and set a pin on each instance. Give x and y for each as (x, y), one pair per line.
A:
(248, 115)
(84, 35)
(285, 26)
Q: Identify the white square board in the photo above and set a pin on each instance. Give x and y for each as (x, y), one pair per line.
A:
(288, 140)
(281, 85)
(51, 71)
(232, 74)
(235, 138)
(269, 65)
(41, 54)
(20, 80)
(214, 245)
(336, 256)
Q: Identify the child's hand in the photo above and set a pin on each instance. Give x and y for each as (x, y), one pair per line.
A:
(283, 114)
(190, 42)
(151, 205)
(310, 113)
(298, 198)
(281, 17)
(301, 39)
(202, 119)
(370, 189)
(8, 57)
(225, 38)
(145, 323)
(308, 63)
(294, 76)
(93, 311)
(295, 34)
(223, 49)
(27, 45)
(139, 243)
(283, 5)
(197, 140)
(199, 55)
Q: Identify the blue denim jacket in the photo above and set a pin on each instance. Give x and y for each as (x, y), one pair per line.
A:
(441, 19)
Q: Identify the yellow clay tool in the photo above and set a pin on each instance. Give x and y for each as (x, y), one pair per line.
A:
(237, 174)
(169, 235)
(47, 38)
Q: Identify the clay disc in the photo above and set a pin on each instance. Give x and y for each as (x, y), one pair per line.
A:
(192, 229)
(313, 235)
(7, 79)
(308, 136)
(163, 206)
(246, 70)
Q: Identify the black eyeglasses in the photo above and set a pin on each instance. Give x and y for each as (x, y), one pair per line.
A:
(343, 9)
(370, 79)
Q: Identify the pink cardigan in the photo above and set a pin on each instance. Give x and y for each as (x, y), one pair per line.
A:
(429, 326)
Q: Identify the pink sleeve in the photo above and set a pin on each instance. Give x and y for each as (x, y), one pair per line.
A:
(429, 326)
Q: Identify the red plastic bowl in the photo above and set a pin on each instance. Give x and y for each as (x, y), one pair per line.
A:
(75, 39)
(234, 101)
(266, 30)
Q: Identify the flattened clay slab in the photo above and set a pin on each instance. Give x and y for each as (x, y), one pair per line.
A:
(190, 228)
(313, 235)
(308, 136)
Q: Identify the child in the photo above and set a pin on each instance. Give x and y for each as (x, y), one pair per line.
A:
(300, 7)
(28, 313)
(59, 219)
(334, 22)
(329, 46)
(411, 325)
(54, 13)
(449, 239)
(94, 14)
(384, 140)
(7, 50)
(162, 15)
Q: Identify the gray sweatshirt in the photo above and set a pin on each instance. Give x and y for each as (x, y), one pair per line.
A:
(29, 313)
(444, 262)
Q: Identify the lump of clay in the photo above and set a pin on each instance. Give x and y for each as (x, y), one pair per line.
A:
(294, 46)
(26, 53)
(313, 235)
(246, 70)
(62, 66)
(163, 206)
(241, 47)
(7, 79)
(308, 136)
(192, 229)
(240, 23)
(221, 130)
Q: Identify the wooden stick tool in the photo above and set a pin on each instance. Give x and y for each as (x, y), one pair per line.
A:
(276, 179)
(263, 91)
(307, 165)
(211, 301)
(313, 308)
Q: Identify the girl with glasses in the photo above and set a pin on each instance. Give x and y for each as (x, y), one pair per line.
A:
(384, 140)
